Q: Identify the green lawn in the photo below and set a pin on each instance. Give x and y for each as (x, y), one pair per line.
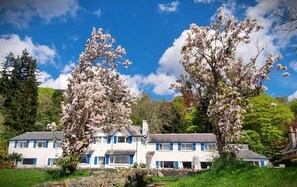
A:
(28, 178)
(262, 177)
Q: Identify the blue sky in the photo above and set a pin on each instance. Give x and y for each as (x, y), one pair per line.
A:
(152, 33)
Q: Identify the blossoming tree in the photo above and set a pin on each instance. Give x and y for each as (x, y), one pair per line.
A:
(219, 76)
(97, 99)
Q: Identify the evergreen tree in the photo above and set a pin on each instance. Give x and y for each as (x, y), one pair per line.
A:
(19, 90)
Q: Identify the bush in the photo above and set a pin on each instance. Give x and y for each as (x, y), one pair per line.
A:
(142, 165)
(54, 174)
(228, 164)
(69, 164)
(135, 165)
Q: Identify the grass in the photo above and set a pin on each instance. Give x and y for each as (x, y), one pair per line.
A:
(246, 177)
(30, 177)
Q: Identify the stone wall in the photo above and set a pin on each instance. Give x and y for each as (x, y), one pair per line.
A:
(120, 177)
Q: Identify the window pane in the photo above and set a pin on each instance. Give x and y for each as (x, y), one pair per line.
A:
(164, 147)
(122, 159)
(83, 159)
(28, 161)
(104, 139)
(121, 139)
(168, 164)
(100, 160)
(58, 144)
(187, 146)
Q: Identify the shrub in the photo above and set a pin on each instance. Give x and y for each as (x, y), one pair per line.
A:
(135, 165)
(142, 165)
(228, 164)
(69, 164)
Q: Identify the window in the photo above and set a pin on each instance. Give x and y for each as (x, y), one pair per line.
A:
(123, 139)
(187, 165)
(101, 139)
(164, 147)
(29, 161)
(58, 144)
(210, 146)
(186, 147)
(84, 159)
(53, 161)
(100, 160)
(119, 159)
(22, 144)
(204, 165)
(166, 164)
(41, 144)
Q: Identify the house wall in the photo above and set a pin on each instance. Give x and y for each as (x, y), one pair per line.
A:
(180, 156)
(40, 154)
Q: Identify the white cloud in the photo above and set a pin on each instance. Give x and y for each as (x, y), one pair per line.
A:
(169, 62)
(203, 1)
(292, 97)
(135, 83)
(161, 83)
(262, 8)
(98, 13)
(169, 7)
(20, 12)
(68, 68)
(12, 43)
(293, 65)
(73, 37)
(59, 83)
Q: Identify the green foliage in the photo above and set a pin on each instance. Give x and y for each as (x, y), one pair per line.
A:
(135, 165)
(264, 127)
(49, 109)
(293, 106)
(30, 177)
(19, 90)
(68, 164)
(246, 177)
(229, 164)
(142, 165)
(57, 174)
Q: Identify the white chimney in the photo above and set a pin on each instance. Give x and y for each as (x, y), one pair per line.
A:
(293, 136)
(145, 129)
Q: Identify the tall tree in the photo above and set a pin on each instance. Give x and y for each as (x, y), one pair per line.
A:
(97, 99)
(265, 125)
(20, 92)
(222, 78)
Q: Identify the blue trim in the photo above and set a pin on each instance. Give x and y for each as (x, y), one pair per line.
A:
(46, 144)
(157, 147)
(95, 160)
(27, 144)
(34, 161)
(108, 140)
(130, 139)
(34, 144)
(157, 164)
(88, 159)
(94, 142)
(131, 159)
(115, 139)
(262, 164)
(106, 159)
(176, 164)
(179, 146)
(114, 133)
(48, 161)
(194, 146)
(15, 144)
(171, 146)
(54, 144)
(202, 146)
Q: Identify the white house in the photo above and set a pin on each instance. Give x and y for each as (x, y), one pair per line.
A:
(42, 149)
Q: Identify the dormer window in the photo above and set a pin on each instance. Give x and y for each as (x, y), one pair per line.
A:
(123, 139)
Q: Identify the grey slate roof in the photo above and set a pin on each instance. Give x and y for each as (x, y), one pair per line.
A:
(38, 136)
(248, 154)
(183, 138)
